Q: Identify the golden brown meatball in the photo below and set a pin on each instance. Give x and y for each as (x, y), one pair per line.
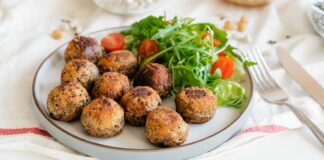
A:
(83, 48)
(165, 128)
(112, 85)
(80, 70)
(102, 117)
(122, 61)
(156, 76)
(196, 104)
(138, 103)
(65, 101)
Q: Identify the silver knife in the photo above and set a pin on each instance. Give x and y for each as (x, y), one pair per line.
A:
(304, 79)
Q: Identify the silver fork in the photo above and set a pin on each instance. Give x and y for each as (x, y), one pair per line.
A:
(272, 92)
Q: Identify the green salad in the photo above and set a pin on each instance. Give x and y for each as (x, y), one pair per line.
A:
(196, 54)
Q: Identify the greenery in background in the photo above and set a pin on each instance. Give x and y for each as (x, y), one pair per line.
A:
(189, 55)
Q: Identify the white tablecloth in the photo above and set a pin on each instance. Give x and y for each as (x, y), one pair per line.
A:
(271, 130)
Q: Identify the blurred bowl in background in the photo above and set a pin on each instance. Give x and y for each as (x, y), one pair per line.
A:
(318, 13)
(130, 7)
(250, 3)
(316, 16)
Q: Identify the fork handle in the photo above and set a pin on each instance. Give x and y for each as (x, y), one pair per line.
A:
(315, 130)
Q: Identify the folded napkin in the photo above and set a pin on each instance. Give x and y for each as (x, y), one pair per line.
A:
(25, 41)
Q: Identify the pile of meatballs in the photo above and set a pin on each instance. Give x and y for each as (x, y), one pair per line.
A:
(106, 89)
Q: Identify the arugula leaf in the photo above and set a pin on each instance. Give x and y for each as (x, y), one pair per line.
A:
(145, 28)
(249, 63)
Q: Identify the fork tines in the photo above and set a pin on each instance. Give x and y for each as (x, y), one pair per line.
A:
(261, 73)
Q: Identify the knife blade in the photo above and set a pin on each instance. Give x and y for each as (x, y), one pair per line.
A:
(304, 79)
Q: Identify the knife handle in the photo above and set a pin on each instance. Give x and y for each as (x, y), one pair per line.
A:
(315, 130)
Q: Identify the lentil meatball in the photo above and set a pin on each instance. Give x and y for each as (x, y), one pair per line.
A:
(156, 76)
(80, 70)
(166, 128)
(196, 104)
(112, 85)
(83, 48)
(138, 103)
(122, 61)
(66, 101)
(102, 117)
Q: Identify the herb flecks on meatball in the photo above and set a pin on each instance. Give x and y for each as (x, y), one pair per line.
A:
(165, 128)
(122, 61)
(138, 103)
(80, 70)
(102, 117)
(112, 85)
(156, 76)
(66, 101)
(196, 104)
(82, 47)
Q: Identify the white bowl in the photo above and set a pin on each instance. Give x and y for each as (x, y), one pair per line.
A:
(316, 16)
(130, 7)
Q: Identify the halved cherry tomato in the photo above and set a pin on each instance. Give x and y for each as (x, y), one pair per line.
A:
(148, 48)
(113, 42)
(226, 65)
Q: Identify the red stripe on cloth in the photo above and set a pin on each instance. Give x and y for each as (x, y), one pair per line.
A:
(38, 131)
(265, 129)
(34, 130)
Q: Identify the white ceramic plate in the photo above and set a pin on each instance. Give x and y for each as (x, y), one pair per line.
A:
(131, 143)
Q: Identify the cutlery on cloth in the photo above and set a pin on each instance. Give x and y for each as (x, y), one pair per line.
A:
(304, 79)
(272, 92)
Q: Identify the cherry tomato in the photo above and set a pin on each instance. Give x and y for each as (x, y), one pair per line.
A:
(226, 65)
(113, 42)
(148, 48)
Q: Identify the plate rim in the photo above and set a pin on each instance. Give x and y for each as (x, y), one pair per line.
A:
(247, 105)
